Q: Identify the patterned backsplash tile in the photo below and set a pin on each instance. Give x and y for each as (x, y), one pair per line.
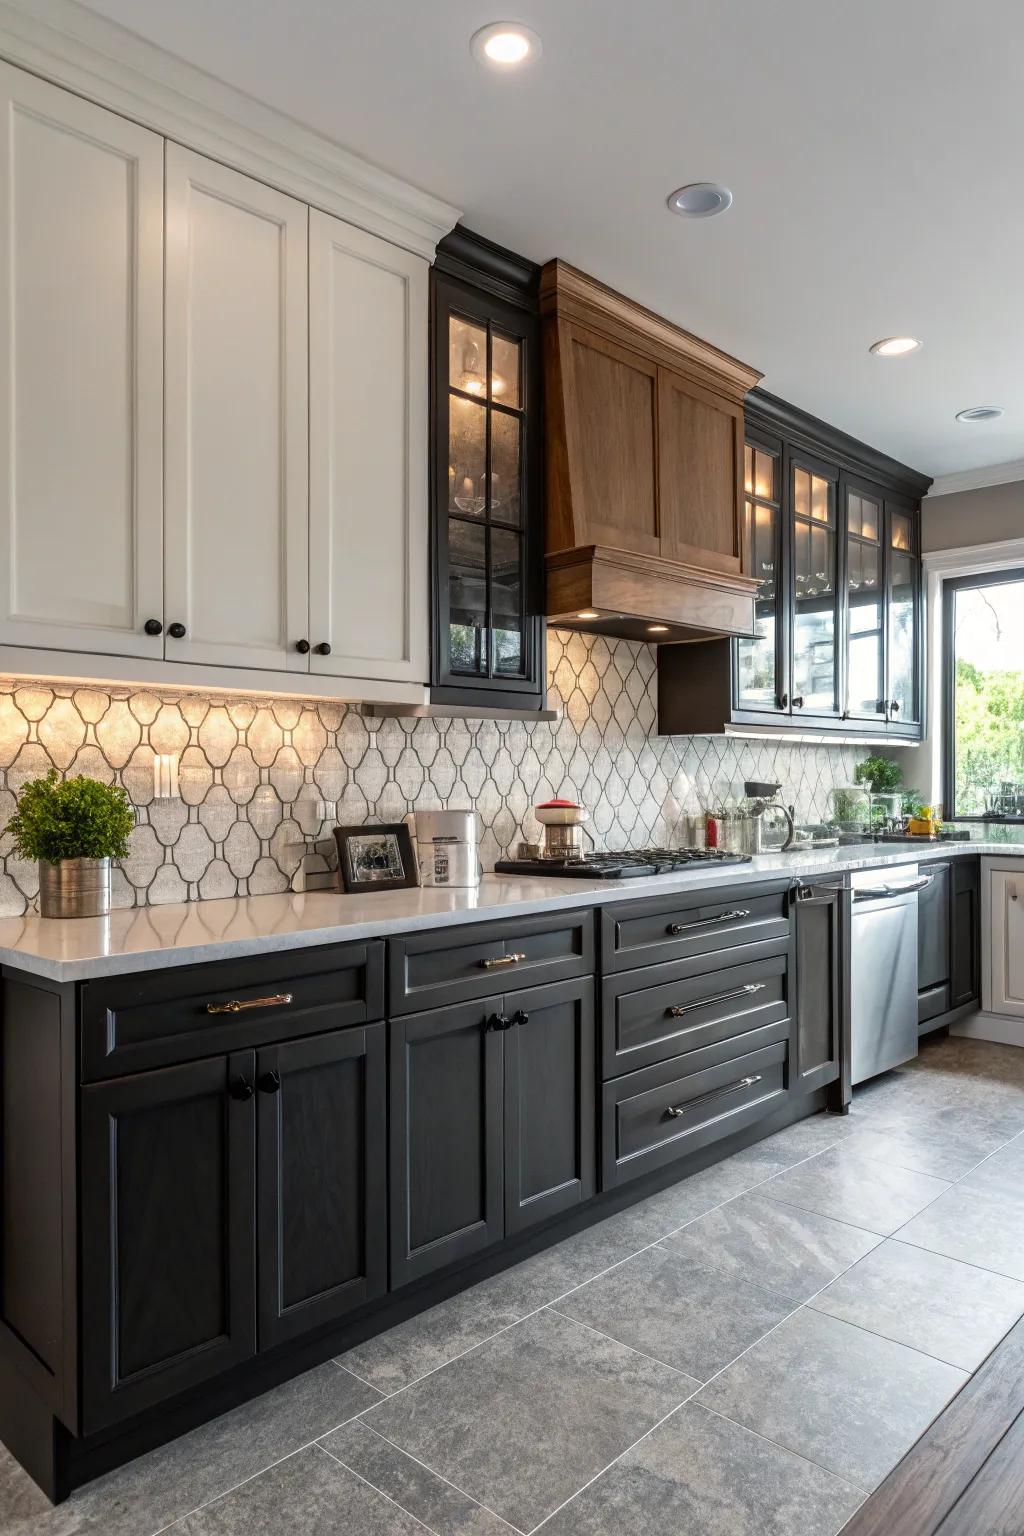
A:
(262, 781)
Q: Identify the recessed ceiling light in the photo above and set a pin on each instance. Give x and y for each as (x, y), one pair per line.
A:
(587, 613)
(895, 346)
(700, 200)
(980, 413)
(657, 629)
(504, 44)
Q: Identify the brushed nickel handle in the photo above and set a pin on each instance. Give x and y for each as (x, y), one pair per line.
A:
(707, 922)
(747, 990)
(675, 1111)
(279, 1000)
(503, 960)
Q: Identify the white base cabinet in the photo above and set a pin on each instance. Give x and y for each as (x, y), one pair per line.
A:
(213, 415)
(1004, 923)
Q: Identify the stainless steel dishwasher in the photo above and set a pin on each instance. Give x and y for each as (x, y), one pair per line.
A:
(883, 969)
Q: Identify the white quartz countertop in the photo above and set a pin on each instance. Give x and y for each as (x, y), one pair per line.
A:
(188, 933)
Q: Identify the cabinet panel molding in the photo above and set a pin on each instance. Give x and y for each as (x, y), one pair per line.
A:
(81, 373)
(368, 511)
(236, 418)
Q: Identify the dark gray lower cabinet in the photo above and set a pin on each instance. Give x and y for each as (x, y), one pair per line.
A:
(322, 1179)
(168, 1233)
(965, 938)
(819, 993)
(933, 944)
(492, 1116)
(228, 1205)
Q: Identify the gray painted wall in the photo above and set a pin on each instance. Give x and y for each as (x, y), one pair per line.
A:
(984, 516)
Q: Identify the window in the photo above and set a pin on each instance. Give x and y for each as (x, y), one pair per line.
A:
(983, 656)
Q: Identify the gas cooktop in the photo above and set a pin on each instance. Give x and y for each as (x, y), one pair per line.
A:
(631, 864)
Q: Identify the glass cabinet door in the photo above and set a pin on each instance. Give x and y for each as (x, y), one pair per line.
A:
(488, 630)
(865, 605)
(759, 683)
(904, 589)
(815, 590)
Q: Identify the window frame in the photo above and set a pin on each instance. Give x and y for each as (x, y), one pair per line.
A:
(951, 585)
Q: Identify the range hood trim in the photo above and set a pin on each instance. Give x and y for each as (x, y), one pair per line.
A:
(619, 583)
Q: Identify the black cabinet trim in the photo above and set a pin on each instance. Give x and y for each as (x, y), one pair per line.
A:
(767, 414)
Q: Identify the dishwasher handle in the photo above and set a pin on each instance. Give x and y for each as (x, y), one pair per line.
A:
(889, 892)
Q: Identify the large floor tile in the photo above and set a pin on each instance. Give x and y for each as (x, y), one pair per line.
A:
(954, 1311)
(443, 1509)
(521, 1423)
(149, 1493)
(846, 1399)
(926, 1145)
(792, 1145)
(700, 1475)
(678, 1308)
(790, 1251)
(856, 1190)
(673, 1207)
(981, 1229)
(1001, 1175)
(310, 1494)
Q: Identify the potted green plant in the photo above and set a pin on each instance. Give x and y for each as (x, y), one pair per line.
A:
(74, 828)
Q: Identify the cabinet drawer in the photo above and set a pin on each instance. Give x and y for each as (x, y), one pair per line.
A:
(654, 1116)
(130, 1023)
(432, 970)
(682, 1012)
(932, 1002)
(693, 923)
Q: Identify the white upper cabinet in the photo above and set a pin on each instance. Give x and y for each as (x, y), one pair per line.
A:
(235, 487)
(81, 374)
(368, 517)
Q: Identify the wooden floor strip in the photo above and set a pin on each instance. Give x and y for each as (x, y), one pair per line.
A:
(920, 1495)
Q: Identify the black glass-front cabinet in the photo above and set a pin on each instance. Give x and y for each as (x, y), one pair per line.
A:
(488, 627)
(832, 533)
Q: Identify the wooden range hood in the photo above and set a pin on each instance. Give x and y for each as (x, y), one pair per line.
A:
(644, 522)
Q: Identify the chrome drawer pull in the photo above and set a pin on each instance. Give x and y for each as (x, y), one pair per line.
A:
(279, 1000)
(676, 1111)
(747, 990)
(513, 959)
(707, 922)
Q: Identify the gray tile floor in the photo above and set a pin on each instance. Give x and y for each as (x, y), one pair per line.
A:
(747, 1353)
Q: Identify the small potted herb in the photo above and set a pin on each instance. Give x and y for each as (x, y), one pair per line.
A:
(74, 827)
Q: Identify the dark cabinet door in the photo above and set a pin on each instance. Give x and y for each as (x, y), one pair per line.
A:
(820, 991)
(814, 587)
(904, 641)
(168, 1233)
(550, 1148)
(488, 631)
(965, 937)
(446, 1136)
(933, 943)
(761, 663)
(322, 1162)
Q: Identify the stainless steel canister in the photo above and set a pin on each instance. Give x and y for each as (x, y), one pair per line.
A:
(447, 848)
(74, 888)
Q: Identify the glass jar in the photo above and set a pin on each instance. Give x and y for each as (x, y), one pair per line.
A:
(850, 807)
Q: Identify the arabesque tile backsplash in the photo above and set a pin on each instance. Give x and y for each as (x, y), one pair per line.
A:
(262, 781)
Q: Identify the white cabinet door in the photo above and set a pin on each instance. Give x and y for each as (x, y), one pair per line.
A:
(368, 594)
(81, 373)
(1007, 976)
(236, 441)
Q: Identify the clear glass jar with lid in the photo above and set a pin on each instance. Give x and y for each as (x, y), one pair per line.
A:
(850, 807)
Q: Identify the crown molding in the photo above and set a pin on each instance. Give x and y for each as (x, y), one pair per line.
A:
(975, 479)
(94, 57)
(769, 414)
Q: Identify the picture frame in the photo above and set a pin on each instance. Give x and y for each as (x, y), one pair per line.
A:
(375, 857)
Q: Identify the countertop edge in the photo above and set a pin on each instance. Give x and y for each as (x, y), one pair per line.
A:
(109, 948)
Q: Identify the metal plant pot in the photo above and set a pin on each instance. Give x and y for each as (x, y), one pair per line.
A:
(74, 888)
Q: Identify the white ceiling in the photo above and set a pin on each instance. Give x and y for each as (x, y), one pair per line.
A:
(875, 150)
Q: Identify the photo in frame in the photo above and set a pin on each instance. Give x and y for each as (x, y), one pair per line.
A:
(376, 858)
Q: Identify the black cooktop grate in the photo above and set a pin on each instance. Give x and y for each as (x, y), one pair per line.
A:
(632, 863)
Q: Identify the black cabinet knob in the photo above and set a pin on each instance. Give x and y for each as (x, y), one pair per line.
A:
(496, 1021)
(302, 646)
(176, 631)
(895, 706)
(520, 1017)
(783, 700)
(241, 1088)
(798, 701)
(323, 649)
(270, 1082)
(153, 627)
